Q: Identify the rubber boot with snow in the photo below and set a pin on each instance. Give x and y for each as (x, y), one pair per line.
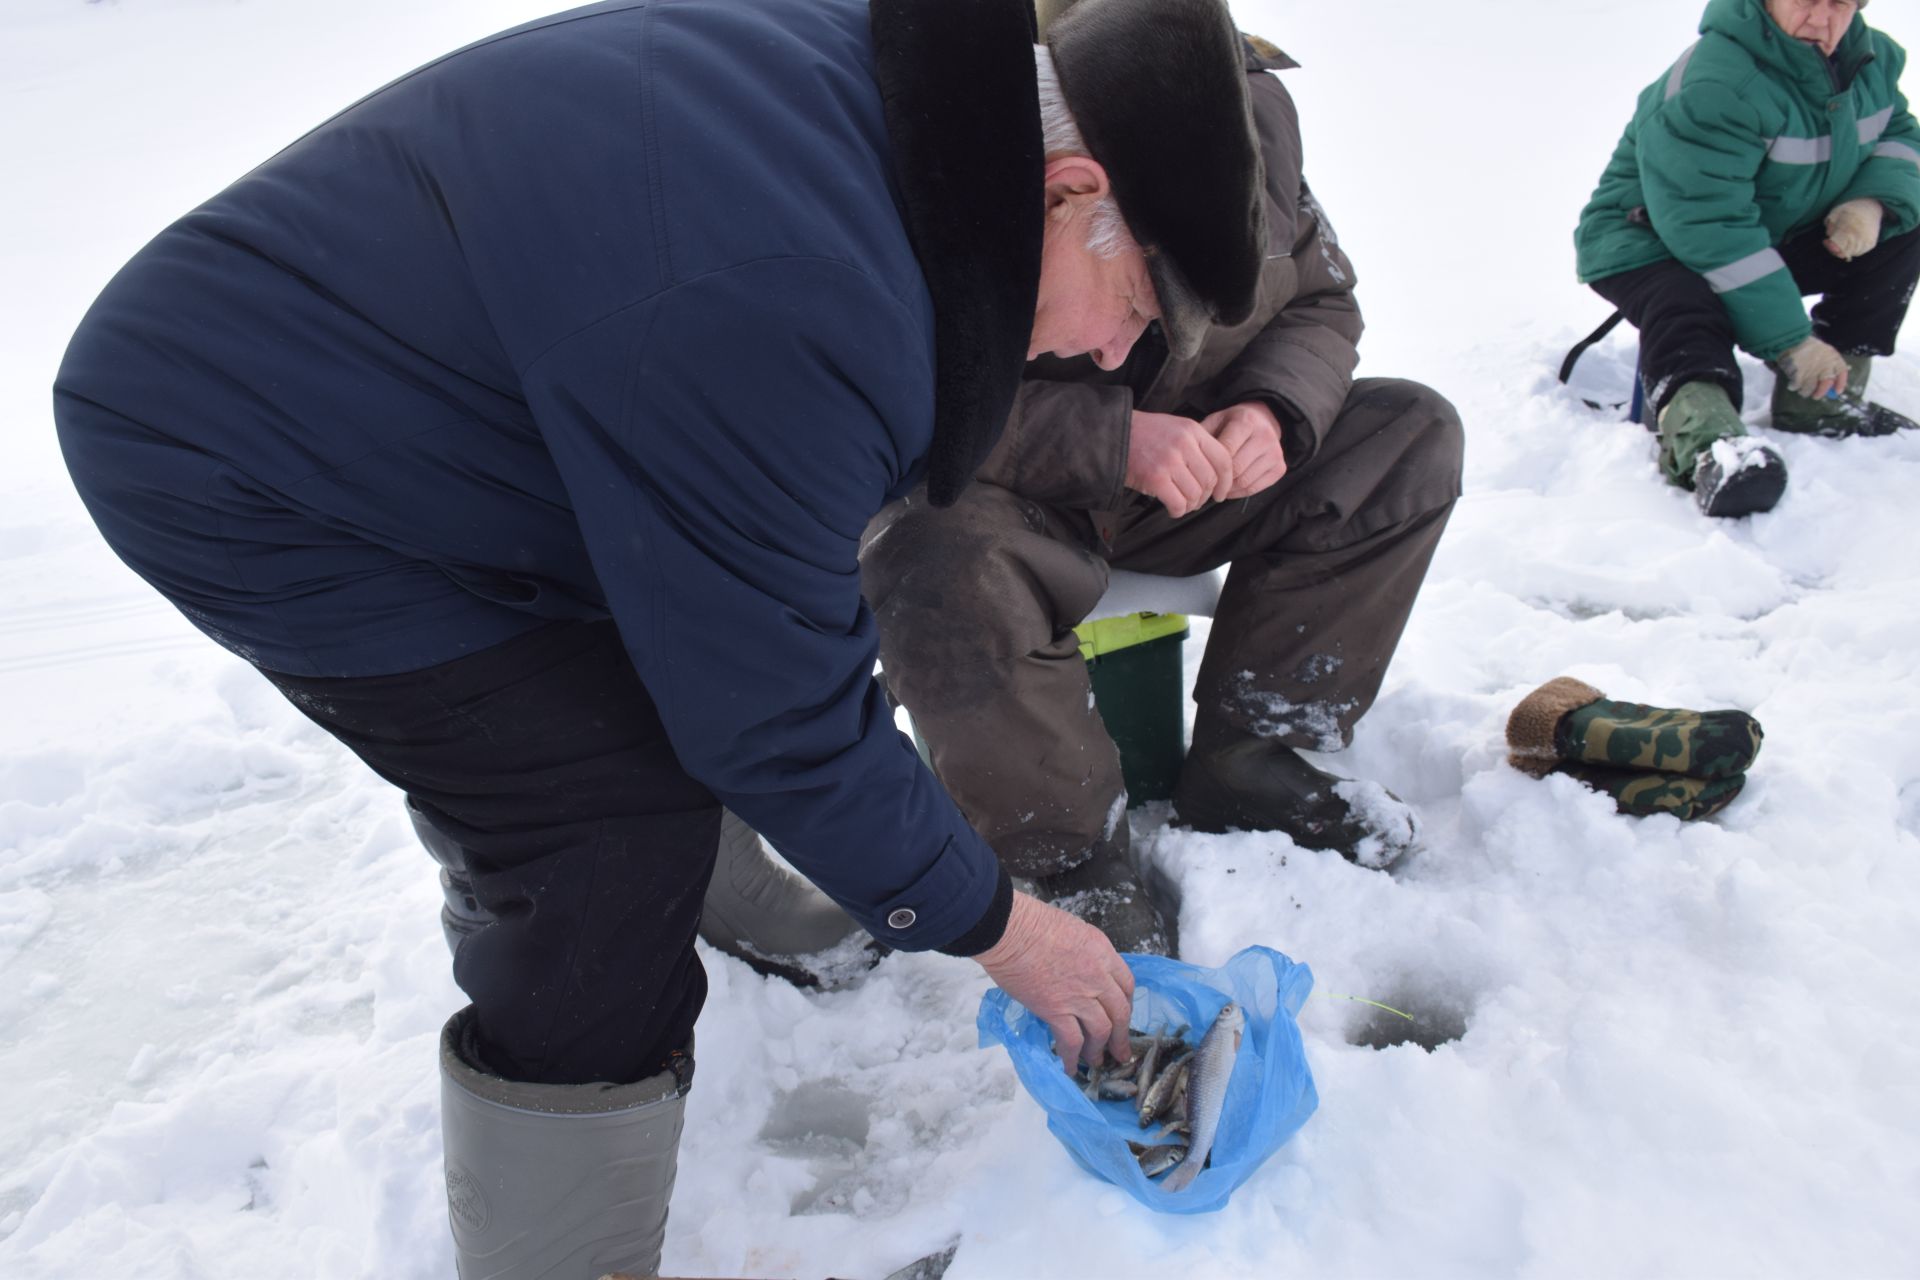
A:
(1848, 414)
(556, 1182)
(1237, 781)
(1106, 890)
(1704, 447)
(778, 923)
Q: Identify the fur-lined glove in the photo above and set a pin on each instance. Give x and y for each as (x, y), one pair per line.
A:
(1649, 759)
(1643, 794)
(1853, 227)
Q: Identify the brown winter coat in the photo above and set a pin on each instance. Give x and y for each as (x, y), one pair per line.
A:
(1296, 352)
(976, 602)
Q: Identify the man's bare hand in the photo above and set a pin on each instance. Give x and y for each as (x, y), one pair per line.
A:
(1178, 461)
(1066, 972)
(1251, 435)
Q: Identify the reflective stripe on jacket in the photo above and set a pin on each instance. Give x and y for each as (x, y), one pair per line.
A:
(1747, 139)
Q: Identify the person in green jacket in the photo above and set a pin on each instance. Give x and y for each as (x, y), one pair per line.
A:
(1775, 159)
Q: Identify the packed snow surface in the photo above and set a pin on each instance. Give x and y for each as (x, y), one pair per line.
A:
(1639, 1048)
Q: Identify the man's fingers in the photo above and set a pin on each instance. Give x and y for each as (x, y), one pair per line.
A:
(1836, 250)
(1067, 1041)
(1237, 435)
(1192, 492)
(1169, 495)
(1221, 461)
(1196, 479)
(1097, 1029)
(1119, 1012)
(1263, 474)
(1172, 488)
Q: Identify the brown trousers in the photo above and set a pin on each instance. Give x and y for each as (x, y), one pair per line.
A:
(977, 603)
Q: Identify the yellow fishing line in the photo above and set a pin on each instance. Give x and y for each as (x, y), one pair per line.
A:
(1335, 995)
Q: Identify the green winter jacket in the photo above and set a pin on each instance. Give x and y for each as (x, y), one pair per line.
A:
(1748, 139)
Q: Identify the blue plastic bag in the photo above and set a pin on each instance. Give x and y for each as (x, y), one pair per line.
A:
(1269, 1096)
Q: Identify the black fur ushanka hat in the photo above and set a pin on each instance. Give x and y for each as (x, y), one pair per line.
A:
(1159, 90)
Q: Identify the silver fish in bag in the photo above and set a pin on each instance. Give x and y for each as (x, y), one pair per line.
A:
(1207, 1078)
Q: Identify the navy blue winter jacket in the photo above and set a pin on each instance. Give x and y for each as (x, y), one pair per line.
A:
(617, 314)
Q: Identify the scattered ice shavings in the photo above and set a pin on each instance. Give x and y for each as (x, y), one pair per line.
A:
(23, 914)
(140, 1070)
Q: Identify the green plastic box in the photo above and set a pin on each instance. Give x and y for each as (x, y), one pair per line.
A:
(1134, 662)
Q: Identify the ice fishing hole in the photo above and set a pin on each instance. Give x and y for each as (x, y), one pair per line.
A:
(1436, 1021)
(818, 1118)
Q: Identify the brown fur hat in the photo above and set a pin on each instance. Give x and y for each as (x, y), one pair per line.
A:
(1159, 90)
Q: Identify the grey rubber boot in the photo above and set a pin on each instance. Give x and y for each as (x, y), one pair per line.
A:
(779, 924)
(556, 1182)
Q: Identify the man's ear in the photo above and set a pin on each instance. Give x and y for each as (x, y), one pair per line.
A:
(1072, 181)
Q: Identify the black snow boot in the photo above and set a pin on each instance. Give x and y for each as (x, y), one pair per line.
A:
(1236, 781)
(1107, 892)
(1738, 476)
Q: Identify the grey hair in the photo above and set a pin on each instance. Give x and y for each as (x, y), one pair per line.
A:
(1107, 234)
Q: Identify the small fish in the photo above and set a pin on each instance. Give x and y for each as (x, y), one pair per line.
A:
(1114, 1090)
(1148, 1064)
(1094, 1077)
(1207, 1092)
(1156, 1160)
(1155, 1100)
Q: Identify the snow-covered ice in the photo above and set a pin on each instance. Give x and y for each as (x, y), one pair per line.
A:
(1642, 1048)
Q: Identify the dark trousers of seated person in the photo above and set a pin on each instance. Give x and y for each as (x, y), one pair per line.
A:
(1687, 336)
(578, 849)
(977, 602)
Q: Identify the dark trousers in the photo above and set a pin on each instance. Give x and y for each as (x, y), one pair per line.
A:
(1687, 336)
(976, 605)
(576, 849)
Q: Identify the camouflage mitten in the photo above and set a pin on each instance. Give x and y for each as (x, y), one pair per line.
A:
(1642, 795)
(1568, 722)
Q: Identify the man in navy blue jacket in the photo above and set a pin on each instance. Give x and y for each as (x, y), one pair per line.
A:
(520, 423)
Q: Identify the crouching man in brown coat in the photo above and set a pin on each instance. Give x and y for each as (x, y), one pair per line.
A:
(1215, 443)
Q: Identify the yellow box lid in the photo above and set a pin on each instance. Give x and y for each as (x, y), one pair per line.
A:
(1108, 635)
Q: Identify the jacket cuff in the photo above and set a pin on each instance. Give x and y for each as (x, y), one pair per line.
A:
(1296, 441)
(945, 903)
(992, 925)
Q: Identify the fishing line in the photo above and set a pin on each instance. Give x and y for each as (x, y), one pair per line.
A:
(1335, 995)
